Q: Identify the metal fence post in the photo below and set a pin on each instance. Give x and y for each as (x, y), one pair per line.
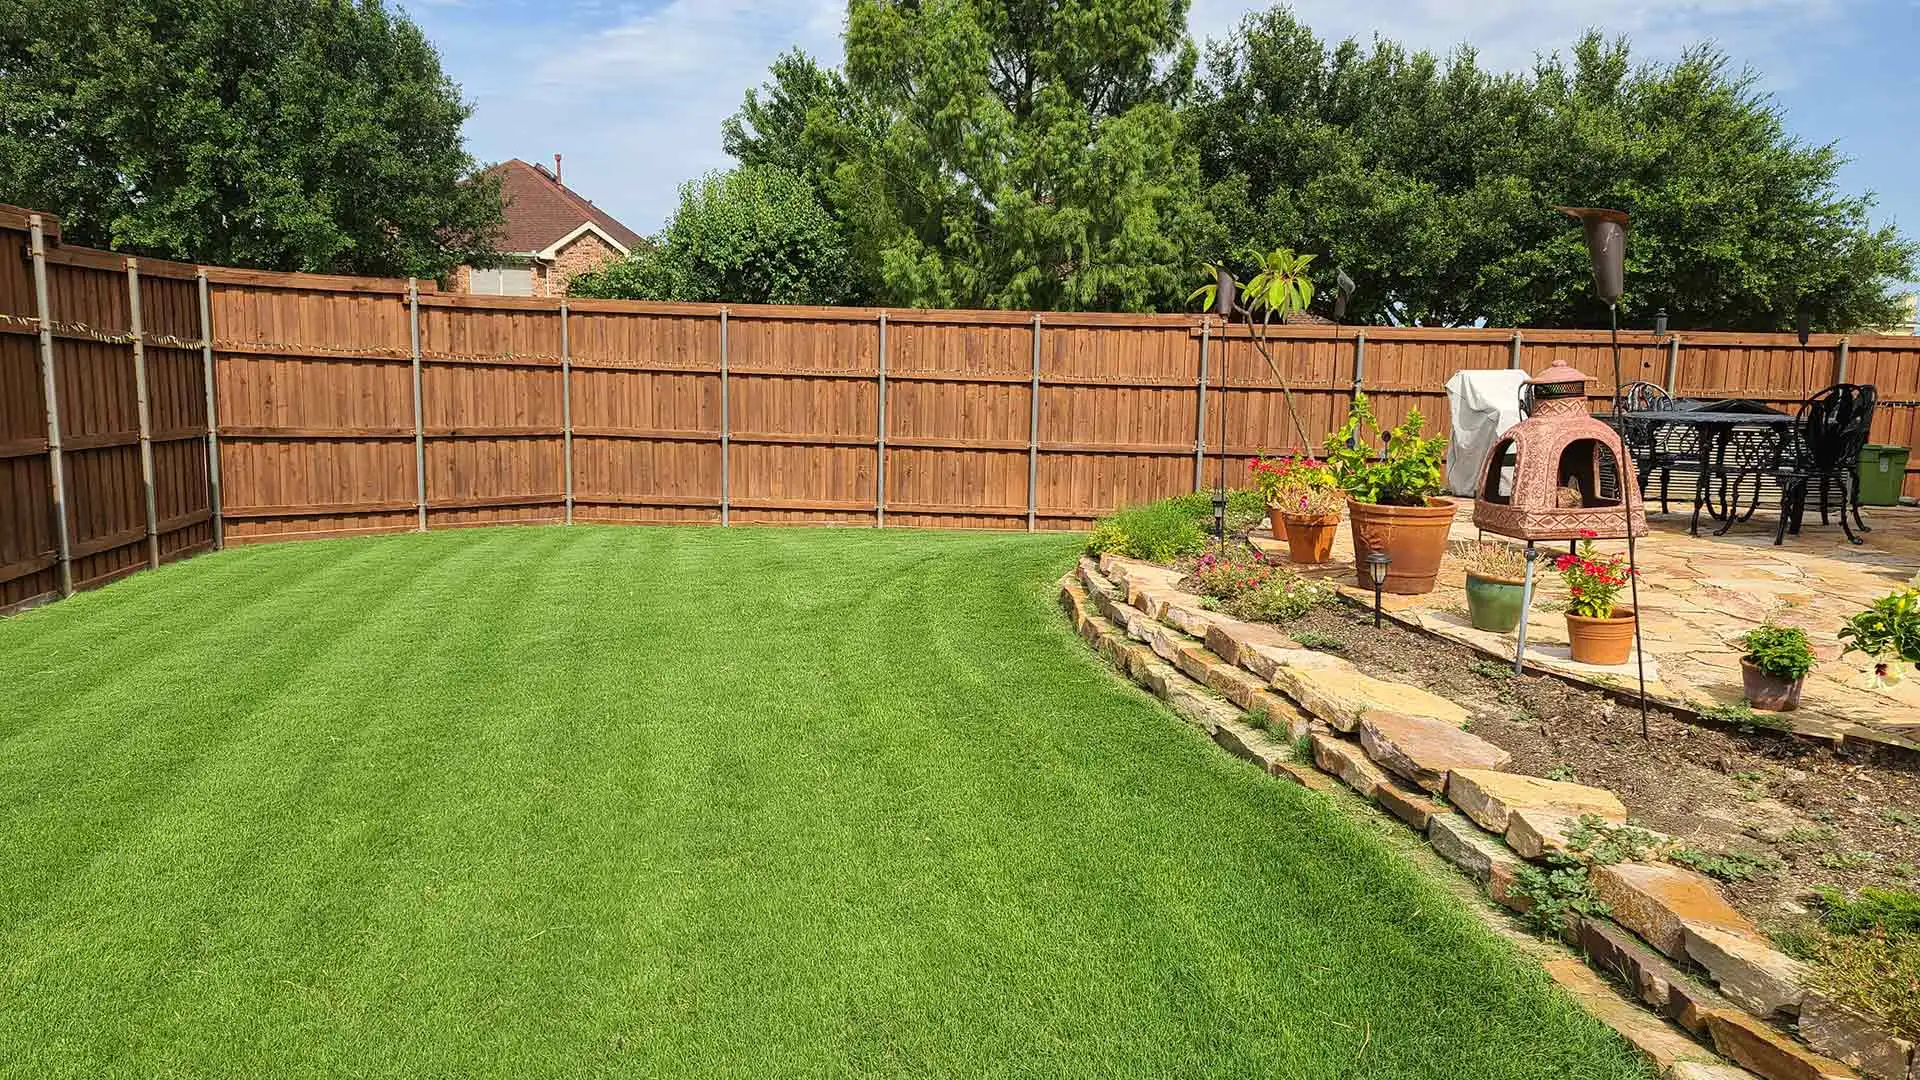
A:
(1359, 374)
(1513, 354)
(1673, 363)
(419, 413)
(880, 440)
(1840, 362)
(566, 408)
(213, 420)
(1033, 433)
(143, 409)
(56, 468)
(726, 431)
(1200, 424)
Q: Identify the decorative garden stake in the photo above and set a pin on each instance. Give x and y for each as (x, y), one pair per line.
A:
(1606, 232)
(1377, 563)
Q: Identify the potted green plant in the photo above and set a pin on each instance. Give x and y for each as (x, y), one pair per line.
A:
(1775, 666)
(1599, 629)
(1496, 584)
(1889, 632)
(1392, 498)
(1303, 504)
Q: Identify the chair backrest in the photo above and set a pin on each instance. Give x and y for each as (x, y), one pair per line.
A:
(1643, 397)
(1835, 423)
(1639, 397)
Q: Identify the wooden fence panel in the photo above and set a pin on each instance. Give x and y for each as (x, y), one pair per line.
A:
(646, 414)
(99, 420)
(959, 417)
(803, 408)
(313, 386)
(28, 547)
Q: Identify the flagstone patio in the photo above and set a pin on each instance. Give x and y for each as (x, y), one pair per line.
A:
(1698, 597)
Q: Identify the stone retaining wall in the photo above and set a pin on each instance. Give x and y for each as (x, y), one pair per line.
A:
(1686, 974)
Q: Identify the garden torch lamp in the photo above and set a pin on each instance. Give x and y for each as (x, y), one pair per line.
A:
(1606, 233)
(1377, 562)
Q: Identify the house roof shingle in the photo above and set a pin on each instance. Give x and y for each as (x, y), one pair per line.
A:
(541, 210)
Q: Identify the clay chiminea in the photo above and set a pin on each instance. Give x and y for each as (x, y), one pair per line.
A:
(1571, 474)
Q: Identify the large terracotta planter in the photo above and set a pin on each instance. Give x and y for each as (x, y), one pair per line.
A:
(1494, 604)
(1602, 642)
(1769, 692)
(1309, 536)
(1414, 537)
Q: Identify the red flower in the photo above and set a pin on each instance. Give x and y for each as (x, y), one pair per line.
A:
(1563, 562)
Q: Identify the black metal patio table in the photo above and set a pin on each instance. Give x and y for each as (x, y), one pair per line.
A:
(1734, 445)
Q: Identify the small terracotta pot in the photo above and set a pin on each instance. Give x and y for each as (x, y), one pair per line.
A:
(1414, 537)
(1309, 536)
(1770, 692)
(1602, 642)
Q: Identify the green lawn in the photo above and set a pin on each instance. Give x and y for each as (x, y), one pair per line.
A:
(685, 803)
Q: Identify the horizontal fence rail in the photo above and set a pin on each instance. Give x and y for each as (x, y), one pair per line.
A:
(151, 410)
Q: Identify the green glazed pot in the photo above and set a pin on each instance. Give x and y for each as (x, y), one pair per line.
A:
(1492, 604)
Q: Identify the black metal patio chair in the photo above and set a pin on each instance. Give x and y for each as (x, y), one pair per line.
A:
(1823, 451)
(1655, 447)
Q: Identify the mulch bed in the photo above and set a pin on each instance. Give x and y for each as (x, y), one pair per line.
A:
(1840, 818)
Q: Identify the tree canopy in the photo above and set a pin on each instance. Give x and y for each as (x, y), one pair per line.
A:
(1011, 154)
(1037, 153)
(755, 235)
(1432, 181)
(317, 135)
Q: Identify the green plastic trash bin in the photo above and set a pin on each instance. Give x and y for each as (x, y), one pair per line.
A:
(1882, 470)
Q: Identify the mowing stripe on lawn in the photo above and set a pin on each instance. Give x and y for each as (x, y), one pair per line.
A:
(625, 801)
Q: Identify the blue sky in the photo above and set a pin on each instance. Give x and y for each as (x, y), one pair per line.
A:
(632, 93)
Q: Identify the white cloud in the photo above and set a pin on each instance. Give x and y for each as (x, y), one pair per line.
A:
(634, 98)
(1509, 33)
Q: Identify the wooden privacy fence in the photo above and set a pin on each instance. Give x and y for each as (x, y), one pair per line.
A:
(349, 405)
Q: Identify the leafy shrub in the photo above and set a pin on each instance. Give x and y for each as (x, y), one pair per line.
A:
(757, 234)
(1227, 571)
(1780, 651)
(1889, 630)
(1406, 472)
(1282, 597)
(1157, 532)
(1170, 529)
(1245, 509)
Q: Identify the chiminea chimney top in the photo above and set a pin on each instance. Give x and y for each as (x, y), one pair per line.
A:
(556, 170)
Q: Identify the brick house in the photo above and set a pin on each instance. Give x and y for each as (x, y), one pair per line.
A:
(552, 234)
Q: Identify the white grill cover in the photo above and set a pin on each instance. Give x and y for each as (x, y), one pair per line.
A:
(1484, 405)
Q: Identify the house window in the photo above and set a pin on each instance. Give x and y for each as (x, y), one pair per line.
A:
(502, 281)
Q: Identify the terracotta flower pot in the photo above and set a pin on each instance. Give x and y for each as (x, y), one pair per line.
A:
(1414, 537)
(1770, 692)
(1493, 603)
(1602, 642)
(1309, 536)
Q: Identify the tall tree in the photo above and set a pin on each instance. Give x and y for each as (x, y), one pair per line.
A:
(756, 235)
(998, 153)
(315, 135)
(1432, 182)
